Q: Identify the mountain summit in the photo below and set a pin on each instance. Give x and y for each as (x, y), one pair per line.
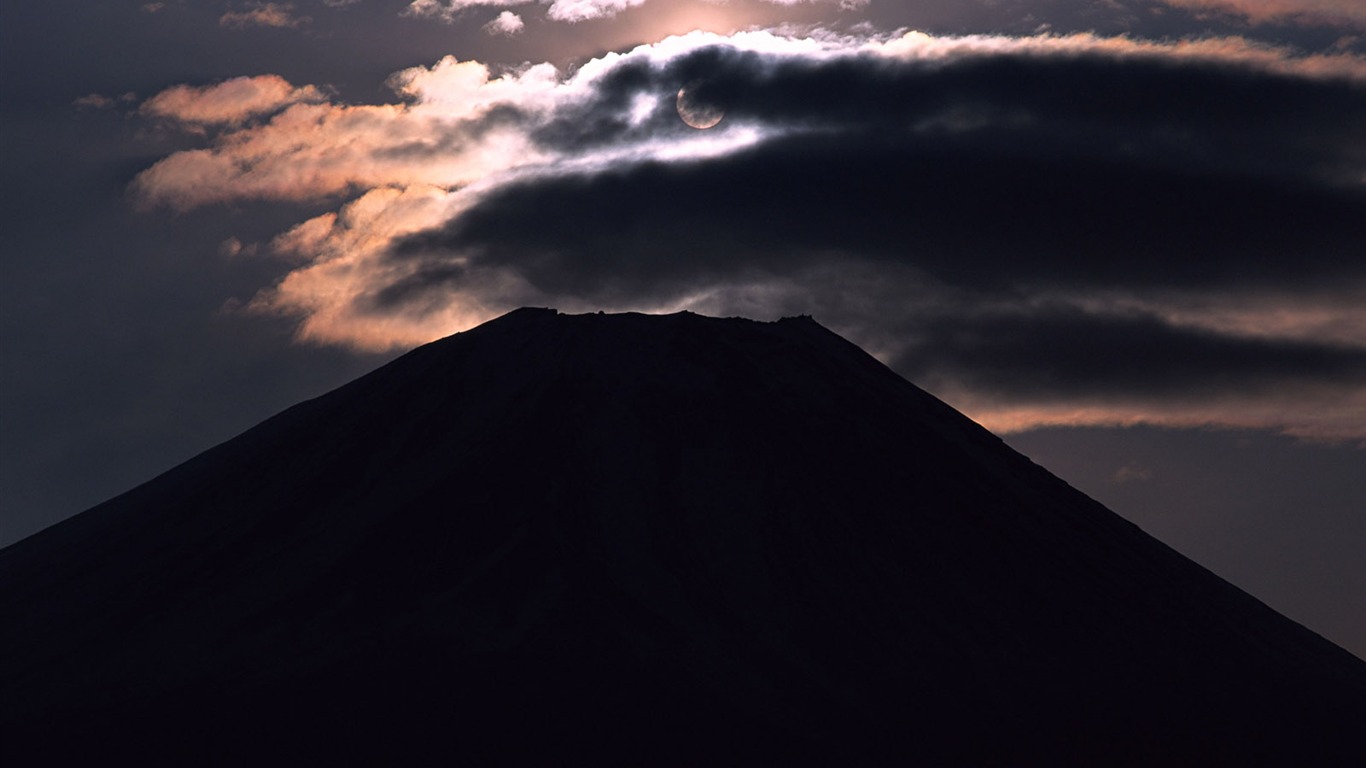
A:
(641, 540)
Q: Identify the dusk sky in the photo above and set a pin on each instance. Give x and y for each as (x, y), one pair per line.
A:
(1127, 235)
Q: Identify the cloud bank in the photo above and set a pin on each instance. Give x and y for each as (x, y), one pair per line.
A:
(1042, 230)
(1351, 13)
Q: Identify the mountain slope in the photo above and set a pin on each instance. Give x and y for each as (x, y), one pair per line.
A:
(642, 540)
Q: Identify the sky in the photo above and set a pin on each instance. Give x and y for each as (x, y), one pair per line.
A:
(1127, 235)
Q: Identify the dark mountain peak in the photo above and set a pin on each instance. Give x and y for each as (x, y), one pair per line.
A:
(641, 539)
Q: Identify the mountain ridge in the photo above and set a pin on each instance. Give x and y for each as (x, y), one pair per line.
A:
(776, 542)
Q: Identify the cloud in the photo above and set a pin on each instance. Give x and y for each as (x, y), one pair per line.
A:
(263, 15)
(100, 101)
(94, 101)
(1043, 230)
(505, 23)
(458, 125)
(848, 5)
(447, 10)
(1131, 472)
(583, 10)
(229, 102)
(1350, 13)
(1031, 366)
(559, 10)
(342, 256)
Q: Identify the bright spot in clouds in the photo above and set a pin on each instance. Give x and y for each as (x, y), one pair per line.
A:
(505, 23)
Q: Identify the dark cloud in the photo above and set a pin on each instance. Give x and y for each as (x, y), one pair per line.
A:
(978, 189)
(1103, 90)
(1008, 171)
(1064, 353)
(987, 211)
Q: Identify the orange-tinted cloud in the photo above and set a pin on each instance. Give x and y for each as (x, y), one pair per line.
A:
(343, 268)
(1336, 316)
(263, 15)
(1350, 13)
(229, 102)
(438, 137)
(1329, 414)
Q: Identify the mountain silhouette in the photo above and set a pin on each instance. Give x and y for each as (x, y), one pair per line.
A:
(640, 540)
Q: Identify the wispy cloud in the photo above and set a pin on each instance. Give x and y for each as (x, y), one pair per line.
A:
(1350, 13)
(263, 15)
(1044, 230)
(94, 101)
(1131, 473)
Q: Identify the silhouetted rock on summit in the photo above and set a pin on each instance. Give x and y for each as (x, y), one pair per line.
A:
(643, 540)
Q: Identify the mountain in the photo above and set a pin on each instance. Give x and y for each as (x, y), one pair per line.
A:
(640, 540)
